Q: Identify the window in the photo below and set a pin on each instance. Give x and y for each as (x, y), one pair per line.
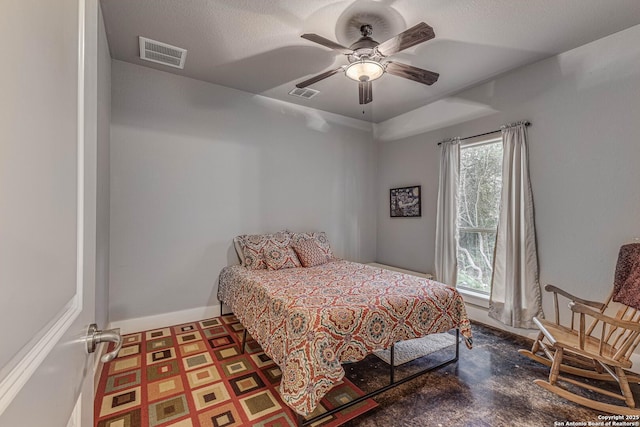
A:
(478, 207)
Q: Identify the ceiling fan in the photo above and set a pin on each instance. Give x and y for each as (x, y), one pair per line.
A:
(368, 59)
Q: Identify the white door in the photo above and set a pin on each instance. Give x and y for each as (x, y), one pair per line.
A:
(47, 210)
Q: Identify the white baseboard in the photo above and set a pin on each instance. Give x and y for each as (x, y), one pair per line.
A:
(480, 314)
(139, 324)
(401, 270)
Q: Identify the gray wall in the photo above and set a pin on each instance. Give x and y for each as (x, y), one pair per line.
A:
(194, 164)
(102, 191)
(584, 155)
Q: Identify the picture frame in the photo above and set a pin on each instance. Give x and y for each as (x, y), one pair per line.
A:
(405, 202)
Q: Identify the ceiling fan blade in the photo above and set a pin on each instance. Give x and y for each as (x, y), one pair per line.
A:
(412, 73)
(411, 37)
(317, 78)
(327, 43)
(365, 91)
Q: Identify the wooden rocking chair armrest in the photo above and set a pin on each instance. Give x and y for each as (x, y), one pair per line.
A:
(581, 308)
(555, 289)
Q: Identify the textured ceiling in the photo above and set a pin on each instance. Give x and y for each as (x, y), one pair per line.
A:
(255, 45)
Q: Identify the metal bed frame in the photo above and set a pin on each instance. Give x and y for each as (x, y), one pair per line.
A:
(392, 382)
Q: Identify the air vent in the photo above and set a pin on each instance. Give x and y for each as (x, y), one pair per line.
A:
(305, 92)
(162, 53)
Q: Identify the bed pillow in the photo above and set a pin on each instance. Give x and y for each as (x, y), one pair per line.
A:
(237, 245)
(253, 247)
(310, 253)
(277, 257)
(320, 237)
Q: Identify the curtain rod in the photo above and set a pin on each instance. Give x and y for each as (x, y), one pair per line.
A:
(527, 123)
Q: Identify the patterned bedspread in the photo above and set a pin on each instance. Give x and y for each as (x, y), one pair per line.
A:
(309, 320)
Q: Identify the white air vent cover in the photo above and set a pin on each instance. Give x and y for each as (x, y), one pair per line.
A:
(162, 53)
(305, 92)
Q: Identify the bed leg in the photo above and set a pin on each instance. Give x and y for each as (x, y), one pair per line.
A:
(244, 340)
(299, 420)
(392, 365)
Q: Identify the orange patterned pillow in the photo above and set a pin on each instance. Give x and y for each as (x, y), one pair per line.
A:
(320, 238)
(310, 253)
(252, 247)
(278, 257)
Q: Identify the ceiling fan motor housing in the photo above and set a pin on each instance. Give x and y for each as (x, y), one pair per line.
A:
(364, 46)
(364, 43)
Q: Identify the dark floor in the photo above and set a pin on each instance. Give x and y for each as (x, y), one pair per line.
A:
(490, 385)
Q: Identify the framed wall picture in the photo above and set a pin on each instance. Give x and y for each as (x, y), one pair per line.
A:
(405, 202)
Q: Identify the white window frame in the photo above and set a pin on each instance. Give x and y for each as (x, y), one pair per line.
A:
(470, 296)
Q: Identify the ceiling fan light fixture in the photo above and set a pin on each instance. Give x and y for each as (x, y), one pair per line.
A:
(364, 70)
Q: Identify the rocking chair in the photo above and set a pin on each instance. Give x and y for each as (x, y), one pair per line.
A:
(600, 350)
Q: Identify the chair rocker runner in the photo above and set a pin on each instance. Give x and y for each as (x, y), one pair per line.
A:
(600, 346)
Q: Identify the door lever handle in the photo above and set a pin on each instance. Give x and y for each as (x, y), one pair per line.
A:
(96, 336)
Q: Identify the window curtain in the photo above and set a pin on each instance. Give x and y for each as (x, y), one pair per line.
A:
(515, 289)
(446, 268)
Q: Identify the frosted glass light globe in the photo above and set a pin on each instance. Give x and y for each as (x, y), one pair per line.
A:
(364, 70)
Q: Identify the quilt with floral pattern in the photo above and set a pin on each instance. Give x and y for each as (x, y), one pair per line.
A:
(310, 320)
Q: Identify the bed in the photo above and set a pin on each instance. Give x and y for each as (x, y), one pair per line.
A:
(309, 320)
